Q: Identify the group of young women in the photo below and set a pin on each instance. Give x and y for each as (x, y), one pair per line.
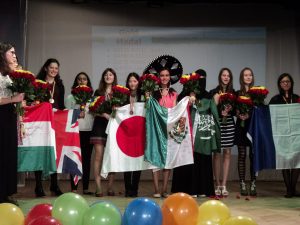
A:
(196, 179)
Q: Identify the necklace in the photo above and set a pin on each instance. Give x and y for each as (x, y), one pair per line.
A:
(51, 100)
(286, 102)
(132, 99)
(162, 96)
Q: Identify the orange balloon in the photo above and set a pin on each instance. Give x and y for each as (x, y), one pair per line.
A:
(179, 209)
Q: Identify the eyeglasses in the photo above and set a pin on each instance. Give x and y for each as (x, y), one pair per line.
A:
(285, 81)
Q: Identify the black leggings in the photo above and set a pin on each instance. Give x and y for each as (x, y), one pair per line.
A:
(242, 153)
(86, 153)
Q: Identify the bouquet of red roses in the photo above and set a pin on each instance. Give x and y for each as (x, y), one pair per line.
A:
(190, 83)
(258, 94)
(22, 83)
(226, 101)
(149, 83)
(119, 97)
(82, 94)
(41, 91)
(99, 105)
(244, 105)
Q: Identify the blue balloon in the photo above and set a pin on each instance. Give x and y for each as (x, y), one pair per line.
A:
(142, 211)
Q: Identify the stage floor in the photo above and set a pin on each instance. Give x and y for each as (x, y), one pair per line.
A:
(268, 208)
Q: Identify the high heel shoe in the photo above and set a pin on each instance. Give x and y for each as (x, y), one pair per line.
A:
(39, 192)
(218, 191)
(56, 191)
(224, 191)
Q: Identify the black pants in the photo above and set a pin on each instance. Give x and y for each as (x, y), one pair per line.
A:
(132, 180)
(86, 153)
(38, 180)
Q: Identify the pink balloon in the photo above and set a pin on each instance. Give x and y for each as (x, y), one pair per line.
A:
(37, 211)
(45, 220)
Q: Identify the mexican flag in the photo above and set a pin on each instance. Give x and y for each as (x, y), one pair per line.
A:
(169, 135)
(37, 151)
(125, 145)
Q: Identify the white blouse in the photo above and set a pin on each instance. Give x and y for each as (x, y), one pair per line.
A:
(5, 81)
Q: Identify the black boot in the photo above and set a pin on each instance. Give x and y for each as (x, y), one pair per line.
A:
(39, 191)
(287, 181)
(54, 188)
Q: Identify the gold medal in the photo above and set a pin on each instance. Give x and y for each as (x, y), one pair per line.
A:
(51, 100)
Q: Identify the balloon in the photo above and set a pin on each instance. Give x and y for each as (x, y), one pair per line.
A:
(102, 213)
(11, 214)
(179, 209)
(69, 209)
(208, 222)
(214, 211)
(142, 211)
(109, 202)
(240, 220)
(45, 220)
(38, 211)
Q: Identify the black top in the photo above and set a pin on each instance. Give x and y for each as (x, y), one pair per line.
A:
(279, 99)
(59, 96)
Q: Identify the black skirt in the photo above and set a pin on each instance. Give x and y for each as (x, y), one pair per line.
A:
(98, 135)
(195, 179)
(8, 151)
(241, 133)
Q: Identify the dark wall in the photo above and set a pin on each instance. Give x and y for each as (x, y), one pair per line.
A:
(12, 25)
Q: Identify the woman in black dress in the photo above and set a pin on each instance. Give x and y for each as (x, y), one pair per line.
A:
(286, 95)
(241, 139)
(98, 136)
(227, 131)
(8, 125)
(132, 178)
(50, 73)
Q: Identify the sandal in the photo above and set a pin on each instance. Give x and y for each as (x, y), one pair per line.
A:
(156, 195)
(165, 195)
(225, 193)
(218, 191)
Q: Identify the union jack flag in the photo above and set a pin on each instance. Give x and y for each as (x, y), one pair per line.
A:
(68, 143)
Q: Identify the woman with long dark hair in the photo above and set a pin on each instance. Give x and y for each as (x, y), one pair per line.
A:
(132, 178)
(241, 139)
(49, 72)
(98, 136)
(225, 85)
(8, 125)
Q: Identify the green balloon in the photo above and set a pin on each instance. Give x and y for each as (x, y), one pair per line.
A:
(69, 209)
(102, 213)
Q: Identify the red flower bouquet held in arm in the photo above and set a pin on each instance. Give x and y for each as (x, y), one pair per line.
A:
(149, 83)
(22, 82)
(227, 102)
(99, 105)
(41, 91)
(244, 105)
(191, 85)
(82, 95)
(119, 97)
(258, 95)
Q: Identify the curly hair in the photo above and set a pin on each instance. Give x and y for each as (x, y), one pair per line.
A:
(43, 73)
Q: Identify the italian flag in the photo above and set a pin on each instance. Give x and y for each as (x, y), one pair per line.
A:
(168, 135)
(37, 151)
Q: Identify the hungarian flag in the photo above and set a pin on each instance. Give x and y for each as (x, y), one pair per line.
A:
(68, 143)
(37, 151)
(168, 135)
(125, 143)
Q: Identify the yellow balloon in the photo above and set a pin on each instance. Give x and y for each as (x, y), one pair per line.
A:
(213, 211)
(208, 222)
(11, 214)
(240, 220)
